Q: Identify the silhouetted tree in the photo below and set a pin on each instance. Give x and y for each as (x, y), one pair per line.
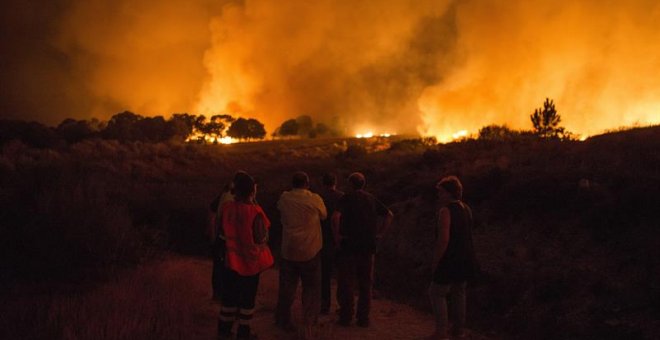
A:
(225, 119)
(246, 129)
(180, 125)
(546, 120)
(122, 127)
(217, 124)
(200, 121)
(305, 125)
(199, 125)
(152, 129)
(288, 128)
(74, 131)
(256, 129)
(214, 127)
(210, 127)
(30, 133)
(96, 125)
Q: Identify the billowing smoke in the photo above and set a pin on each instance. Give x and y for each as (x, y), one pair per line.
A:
(353, 64)
(433, 67)
(95, 58)
(145, 56)
(597, 59)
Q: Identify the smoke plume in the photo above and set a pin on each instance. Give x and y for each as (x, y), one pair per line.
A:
(432, 67)
(353, 64)
(596, 59)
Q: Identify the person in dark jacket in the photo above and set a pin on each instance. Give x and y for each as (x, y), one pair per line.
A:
(331, 197)
(454, 260)
(357, 221)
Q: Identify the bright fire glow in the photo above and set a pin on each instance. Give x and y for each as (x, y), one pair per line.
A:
(370, 134)
(460, 134)
(446, 136)
(197, 136)
(444, 66)
(227, 140)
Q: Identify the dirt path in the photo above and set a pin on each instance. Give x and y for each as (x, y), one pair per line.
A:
(389, 320)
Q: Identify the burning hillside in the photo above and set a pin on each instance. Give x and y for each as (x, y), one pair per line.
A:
(433, 68)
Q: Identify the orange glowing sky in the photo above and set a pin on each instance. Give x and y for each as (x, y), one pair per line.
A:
(428, 67)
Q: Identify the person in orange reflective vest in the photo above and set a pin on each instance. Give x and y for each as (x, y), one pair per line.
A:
(245, 226)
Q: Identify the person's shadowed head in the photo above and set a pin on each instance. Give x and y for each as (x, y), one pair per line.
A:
(300, 180)
(357, 181)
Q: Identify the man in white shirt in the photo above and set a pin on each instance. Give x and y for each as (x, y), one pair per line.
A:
(301, 214)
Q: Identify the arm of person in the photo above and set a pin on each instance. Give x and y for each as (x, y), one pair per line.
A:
(212, 219)
(468, 215)
(323, 211)
(387, 220)
(210, 228)
(336, 218)
(443, 236)
(259, 230)
(386, 213)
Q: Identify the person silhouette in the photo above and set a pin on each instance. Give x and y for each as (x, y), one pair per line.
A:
(454, 261)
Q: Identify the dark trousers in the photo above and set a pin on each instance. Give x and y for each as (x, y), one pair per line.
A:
(327, 266)
(454, 293)
(218, 271)
(238, 299)
(216, 277)
(354, 267)
(309, 272)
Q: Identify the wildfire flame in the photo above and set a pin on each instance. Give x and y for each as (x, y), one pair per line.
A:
(227, 140)
(370, 134)
(197, 136)
(459, 134)
(444, 66)
(447, 137)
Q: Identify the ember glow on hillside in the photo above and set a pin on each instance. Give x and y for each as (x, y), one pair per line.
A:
(432, 67)
(371, 134)
(199, 137)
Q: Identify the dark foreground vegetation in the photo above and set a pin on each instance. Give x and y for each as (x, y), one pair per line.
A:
(567, 232)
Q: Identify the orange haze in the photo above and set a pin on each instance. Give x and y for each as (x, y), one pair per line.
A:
(428, 67)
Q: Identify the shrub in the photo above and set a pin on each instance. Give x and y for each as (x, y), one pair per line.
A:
(159, 301)
(67, 229)
(353, 151)
(413, 144)
(497, 132)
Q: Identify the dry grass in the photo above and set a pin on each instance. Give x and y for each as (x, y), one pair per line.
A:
(567, 230)
(153, 302)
